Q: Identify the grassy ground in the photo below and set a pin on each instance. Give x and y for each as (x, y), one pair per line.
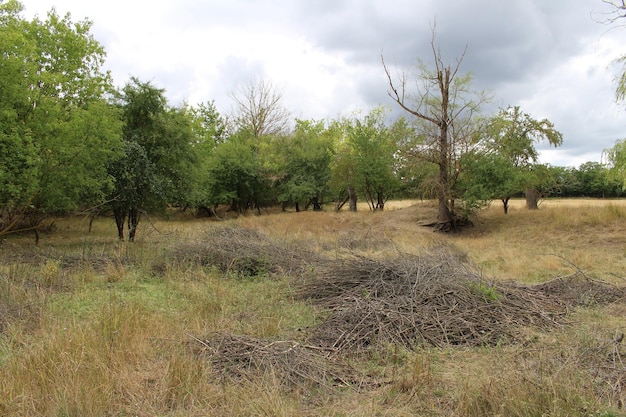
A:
(90, 326)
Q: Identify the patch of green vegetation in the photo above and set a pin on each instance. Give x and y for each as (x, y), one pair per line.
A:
(487, 291)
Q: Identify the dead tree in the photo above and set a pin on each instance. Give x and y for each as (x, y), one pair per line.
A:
(444, 110)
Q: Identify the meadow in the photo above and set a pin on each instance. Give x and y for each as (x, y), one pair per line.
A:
(242, 316)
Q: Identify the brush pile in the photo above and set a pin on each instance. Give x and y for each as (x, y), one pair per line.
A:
(246, 252)
(579, 290)
(434, 299)
(238, 358)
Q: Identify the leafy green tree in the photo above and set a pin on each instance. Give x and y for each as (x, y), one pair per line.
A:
(616, 157)
(568, 182)
(160, 164)
(616, 13)
(365, 163)
(209, 131)
(209, 127)
(234, 174)
(373, 148)
(343, 169)
(305, 158)
(513, 134)
(595, 180)
(54, 118)
(487, 177)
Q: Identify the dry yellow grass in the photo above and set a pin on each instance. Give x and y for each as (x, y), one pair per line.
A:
(532, 246)
(114, 339)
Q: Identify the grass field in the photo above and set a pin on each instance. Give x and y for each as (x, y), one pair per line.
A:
(201, 317)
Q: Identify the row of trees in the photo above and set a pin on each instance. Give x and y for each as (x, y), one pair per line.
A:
(70, 141)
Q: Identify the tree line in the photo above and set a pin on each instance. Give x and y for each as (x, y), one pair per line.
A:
(72, 142)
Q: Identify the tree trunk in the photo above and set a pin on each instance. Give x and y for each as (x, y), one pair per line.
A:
(92, 217)
(133, 221)
(317, 206)
(120, 216)
(340, 203)
(532, 199)
(352, 198)
(444, 215)
(381, 201)
(505, 203)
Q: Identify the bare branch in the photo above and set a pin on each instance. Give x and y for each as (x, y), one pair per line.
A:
(259, 109)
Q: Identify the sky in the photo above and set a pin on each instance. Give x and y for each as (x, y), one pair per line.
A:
(553, 58)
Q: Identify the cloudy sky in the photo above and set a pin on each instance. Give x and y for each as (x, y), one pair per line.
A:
(553, 58)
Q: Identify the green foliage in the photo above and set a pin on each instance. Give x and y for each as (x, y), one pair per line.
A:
(486, 177)
(510, 161)
(616, 157)
(487, 291)
(366, 159)
(208, 125)
(620, 92)
(513, 134)
(161, 163)
(18, 170)
(233, 174)
(304, 158)
(57, 132)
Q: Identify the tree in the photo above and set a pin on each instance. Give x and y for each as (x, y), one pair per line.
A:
(160, 163)
(568, 182)
(56, 125)
(233, 175)
(259, 110)
(210, 128)
(444, 108)
(616, 157)
(304, 158)
(373, 147)
(513, 134)
(343, 170)
(209, 131)
(595, 180)
(487, 177)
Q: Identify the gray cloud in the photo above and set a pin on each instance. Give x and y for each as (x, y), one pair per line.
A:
(551, 57)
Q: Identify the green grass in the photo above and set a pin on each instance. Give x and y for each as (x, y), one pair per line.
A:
(95, 327)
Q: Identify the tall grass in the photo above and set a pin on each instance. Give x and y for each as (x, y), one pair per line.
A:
(90, 326)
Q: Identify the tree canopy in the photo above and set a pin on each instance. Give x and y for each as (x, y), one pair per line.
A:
(57, 126)
(70, 141)
(509, 143)
(161, 163)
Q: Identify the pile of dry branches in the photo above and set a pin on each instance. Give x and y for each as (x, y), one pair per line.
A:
(295, 365)
(579, 290)
(246, 252)
(433, 298)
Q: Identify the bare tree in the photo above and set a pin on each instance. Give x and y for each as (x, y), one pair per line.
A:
(259, 109)
(444, 110)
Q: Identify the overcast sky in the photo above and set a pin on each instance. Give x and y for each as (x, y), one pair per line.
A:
(553, 58)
